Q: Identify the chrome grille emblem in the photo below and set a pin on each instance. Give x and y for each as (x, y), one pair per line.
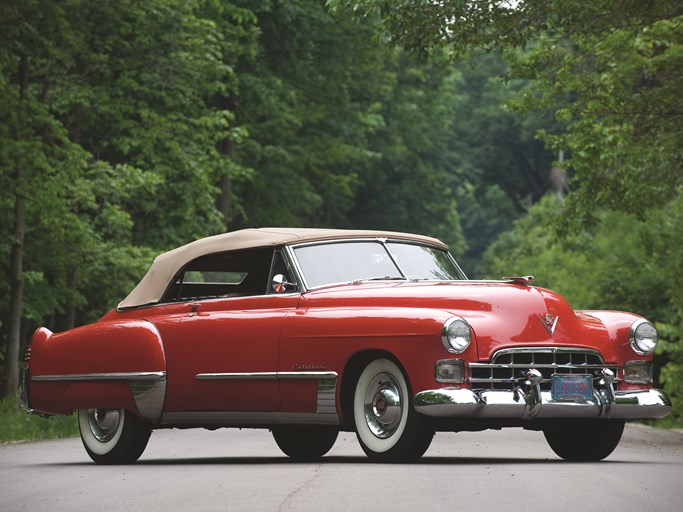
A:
(549, 322)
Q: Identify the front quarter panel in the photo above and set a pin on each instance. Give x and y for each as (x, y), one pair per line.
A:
(618, 326)
(325, 339)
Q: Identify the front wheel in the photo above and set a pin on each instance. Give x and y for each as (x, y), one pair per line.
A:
(584, 440)
(305, 442)
(387, 426)
(112, 436)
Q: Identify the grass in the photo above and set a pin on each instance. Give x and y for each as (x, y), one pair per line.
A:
(16, 425)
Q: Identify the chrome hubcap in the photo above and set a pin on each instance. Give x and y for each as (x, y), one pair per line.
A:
(104, 423)
(383, 407)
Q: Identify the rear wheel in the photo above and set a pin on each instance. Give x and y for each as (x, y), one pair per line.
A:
(112, 436)
(305, 442)
(387, 426)
(584, 440)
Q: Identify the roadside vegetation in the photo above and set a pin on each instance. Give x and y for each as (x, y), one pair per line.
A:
(533, 137)
(16, 425)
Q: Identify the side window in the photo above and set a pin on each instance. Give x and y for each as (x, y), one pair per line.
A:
(214, 276)
(225, 274)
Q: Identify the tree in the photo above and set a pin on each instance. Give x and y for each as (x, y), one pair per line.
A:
(100, 150)
(504, 166)
(610, 71)
(28, 148)
(304, 101)
(346, 131)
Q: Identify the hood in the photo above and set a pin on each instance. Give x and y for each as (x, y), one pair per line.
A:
(502, 314)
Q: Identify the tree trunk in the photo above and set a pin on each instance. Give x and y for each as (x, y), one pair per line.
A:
(16, 293)
(17, 254)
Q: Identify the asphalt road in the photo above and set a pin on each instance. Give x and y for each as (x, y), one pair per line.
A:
(233, 470)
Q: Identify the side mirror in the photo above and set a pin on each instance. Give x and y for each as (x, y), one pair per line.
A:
(280, 284)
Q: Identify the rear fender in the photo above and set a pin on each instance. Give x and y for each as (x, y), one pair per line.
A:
(107, 365)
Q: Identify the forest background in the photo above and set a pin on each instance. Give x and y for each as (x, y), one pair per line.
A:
(534, 137)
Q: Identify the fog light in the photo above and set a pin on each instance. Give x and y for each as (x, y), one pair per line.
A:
(450, 370)
(638, 372)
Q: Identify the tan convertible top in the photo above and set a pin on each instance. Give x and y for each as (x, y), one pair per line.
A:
(165, 266)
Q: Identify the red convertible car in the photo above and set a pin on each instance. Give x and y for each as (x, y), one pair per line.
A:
(308, 332)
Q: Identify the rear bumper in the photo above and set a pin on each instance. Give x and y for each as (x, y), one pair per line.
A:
(517, 404)
(23, 390)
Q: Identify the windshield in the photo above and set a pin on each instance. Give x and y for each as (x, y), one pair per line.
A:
(350, 261)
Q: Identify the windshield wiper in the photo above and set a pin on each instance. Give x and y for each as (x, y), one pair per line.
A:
(385, 278)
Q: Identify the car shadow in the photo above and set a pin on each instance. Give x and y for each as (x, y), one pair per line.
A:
(343, 460)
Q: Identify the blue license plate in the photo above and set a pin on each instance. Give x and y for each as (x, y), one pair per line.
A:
(572, 388)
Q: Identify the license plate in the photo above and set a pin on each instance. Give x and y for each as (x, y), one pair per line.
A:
(572, 388)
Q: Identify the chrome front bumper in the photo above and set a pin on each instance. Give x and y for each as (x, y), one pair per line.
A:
(518, 404)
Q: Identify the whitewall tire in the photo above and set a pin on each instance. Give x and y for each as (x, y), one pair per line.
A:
(112, 436)
(387, 426)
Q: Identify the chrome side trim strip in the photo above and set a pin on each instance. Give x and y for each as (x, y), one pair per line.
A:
(268, 376)
(237, 376)
(246, 419)
(101, 376)
(306, 375)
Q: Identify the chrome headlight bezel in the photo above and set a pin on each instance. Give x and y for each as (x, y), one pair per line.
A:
(456, 335)
(643, 337)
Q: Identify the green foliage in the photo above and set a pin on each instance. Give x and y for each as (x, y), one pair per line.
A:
(344, 131)
(412, 183)
(16, 425)
(502, 167)
(671, 375)
(619, 96)
(610, 71)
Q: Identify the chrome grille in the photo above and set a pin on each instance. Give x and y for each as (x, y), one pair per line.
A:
(508, 366)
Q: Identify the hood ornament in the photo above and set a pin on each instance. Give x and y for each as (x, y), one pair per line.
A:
(520, 279)
(549, 322)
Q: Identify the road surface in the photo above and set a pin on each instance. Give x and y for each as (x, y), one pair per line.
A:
(234, 470)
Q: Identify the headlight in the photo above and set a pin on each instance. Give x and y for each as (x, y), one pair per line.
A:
(456, 335)
(643, 337)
